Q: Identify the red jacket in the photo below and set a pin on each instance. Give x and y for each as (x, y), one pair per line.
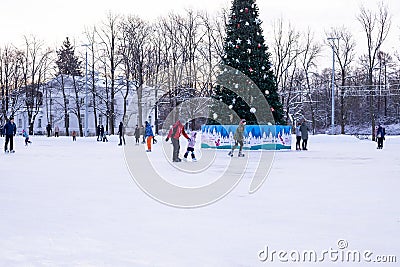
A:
(177, 130)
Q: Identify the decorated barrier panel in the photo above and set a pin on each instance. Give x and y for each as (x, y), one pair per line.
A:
(268, 137)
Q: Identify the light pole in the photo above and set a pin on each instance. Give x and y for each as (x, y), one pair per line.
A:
(86, 92)
(333, 81)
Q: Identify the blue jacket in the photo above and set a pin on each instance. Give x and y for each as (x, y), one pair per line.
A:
(10, 128)
(149, 130)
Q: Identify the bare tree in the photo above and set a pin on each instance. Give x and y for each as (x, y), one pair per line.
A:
(376, 27)
(308, 61)
(287, 51)
(110, 35)
(344, 53)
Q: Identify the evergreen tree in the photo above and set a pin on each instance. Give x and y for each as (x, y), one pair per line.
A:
(69, 64)
(245, 50)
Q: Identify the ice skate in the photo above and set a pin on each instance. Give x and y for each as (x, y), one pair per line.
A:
(240, 155)
(230, 154)
(194, 159)
(184, 159)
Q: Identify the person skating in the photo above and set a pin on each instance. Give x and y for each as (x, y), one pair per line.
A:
(48, 129)
(137, 135)
(190, 147)
(9, 130)
(26, 135)
(101, 132)
(304, 135)
(99, 137)
(104, 136)
(149, 135)
(380, 136)
(73, 135)
(174, 133)
(143, 133)
(56, 131)
(238, 137)
(298, 137)
(121, 133)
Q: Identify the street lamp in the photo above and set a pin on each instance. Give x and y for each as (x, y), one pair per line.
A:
(333, 80)
(86, 91)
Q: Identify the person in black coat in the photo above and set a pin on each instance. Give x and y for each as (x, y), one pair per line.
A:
(99, 137)
(10, 129)
(380, 136)
(121, 133)
(101, 130)
(48, 128)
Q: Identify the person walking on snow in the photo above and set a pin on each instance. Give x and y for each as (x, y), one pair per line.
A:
(190, 147)
(298, 137)
(149, 135)
(9, 130)
(174, 133)
(380, 136)
(26, 135)
(304, 135)
(238, 137)
(121, 133)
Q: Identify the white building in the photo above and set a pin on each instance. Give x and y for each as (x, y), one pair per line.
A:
(52, 108)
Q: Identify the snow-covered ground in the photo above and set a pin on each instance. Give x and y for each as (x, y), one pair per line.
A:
(76, 204)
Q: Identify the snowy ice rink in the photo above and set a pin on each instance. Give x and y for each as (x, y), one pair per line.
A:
(75, 204)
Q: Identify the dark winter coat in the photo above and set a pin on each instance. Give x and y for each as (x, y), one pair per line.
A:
(121, 129)
(177, 130)
(304, 131)
(380, 133)
(149, 130)
(10, 128)
(137, 132)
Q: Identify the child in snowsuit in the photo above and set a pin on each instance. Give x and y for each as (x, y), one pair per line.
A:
(190, 147)
(26, 135)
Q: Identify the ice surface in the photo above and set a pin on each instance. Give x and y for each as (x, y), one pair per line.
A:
(65, 203)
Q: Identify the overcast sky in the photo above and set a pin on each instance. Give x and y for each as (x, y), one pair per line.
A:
(52, 21)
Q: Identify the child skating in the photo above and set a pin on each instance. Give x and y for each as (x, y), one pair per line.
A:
(190, 147)
(26, 135)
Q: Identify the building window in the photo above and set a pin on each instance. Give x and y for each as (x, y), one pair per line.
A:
(19, 123)
(39, 123)
(100, 119)
(83, 120)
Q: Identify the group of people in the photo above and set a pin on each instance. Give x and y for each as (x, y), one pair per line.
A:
(49, 130)
(302, 134)
(101, 133)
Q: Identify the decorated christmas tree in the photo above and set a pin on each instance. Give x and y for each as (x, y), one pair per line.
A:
(245, 50)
